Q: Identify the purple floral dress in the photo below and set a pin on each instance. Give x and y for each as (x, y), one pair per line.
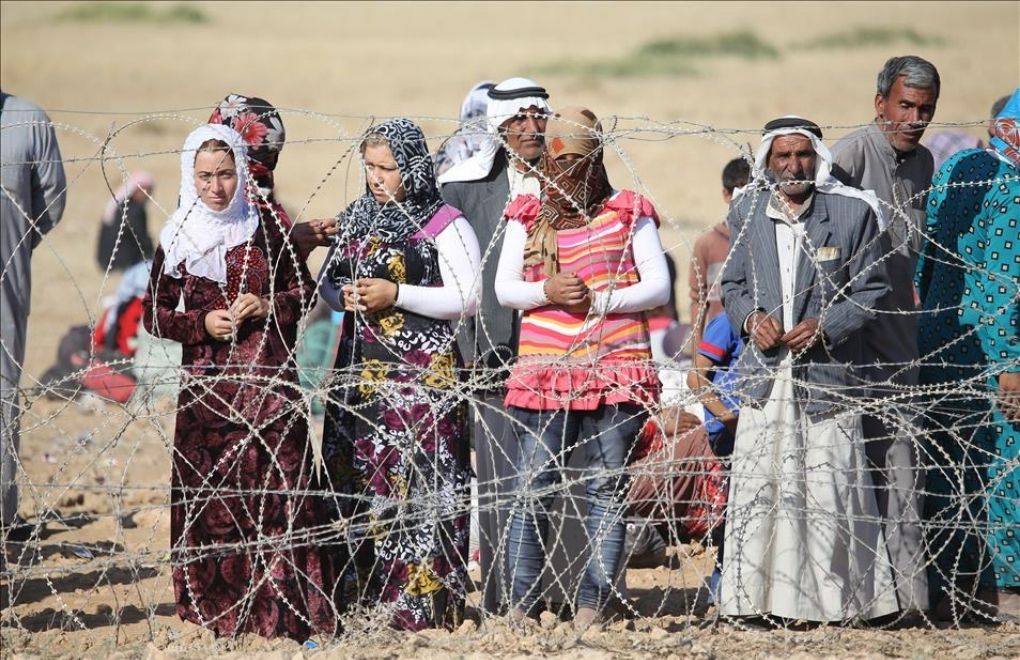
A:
(396, 446)
(242, 528)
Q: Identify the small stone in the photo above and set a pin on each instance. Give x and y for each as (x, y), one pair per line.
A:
(623, 625)
(548, 620)
(152, 652)
(72, 500)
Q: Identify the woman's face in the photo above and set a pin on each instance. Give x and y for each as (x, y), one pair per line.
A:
(383, 174)
(215, 178)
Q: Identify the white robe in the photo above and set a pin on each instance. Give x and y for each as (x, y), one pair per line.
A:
(803, 536)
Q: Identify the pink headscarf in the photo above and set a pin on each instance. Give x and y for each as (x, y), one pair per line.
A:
(134, 181)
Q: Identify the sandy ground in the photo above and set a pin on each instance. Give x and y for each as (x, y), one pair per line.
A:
(124, 96)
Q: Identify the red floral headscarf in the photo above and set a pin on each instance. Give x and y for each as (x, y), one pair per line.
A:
(259, 123)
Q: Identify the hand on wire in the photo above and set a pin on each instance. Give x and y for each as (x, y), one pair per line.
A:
(312, 234)
(676, 421)
(1009, 395)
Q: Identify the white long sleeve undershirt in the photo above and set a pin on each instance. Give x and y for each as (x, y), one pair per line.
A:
(459, 260)
(653, 289)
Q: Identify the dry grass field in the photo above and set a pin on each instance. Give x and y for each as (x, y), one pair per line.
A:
(124, 89)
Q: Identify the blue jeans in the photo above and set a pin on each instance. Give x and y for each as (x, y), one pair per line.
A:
(546, 439)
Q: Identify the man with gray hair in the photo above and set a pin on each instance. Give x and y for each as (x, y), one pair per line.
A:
(886, 156)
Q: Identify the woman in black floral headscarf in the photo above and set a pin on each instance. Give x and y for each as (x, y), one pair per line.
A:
(404, 268)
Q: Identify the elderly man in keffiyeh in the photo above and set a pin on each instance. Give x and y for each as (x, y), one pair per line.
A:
(803, 538)
(481, 187)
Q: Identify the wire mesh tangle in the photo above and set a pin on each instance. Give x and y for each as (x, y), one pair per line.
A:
(350, 476)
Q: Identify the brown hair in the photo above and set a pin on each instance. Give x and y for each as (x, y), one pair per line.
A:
(374, 140)
(214, 146)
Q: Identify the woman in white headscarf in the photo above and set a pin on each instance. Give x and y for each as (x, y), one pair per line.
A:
(242, 552)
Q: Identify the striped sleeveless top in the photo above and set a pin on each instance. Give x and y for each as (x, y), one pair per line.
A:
(577, 361)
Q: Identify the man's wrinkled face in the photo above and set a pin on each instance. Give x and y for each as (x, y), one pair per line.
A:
(524, 132)
(904, 114)
(792, 162)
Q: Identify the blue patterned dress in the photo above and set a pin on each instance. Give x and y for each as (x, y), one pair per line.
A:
(968, 280)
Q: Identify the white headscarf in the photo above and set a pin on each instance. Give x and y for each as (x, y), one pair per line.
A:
(499, 110)
(825, 182)
(476, 103)
(197, 235)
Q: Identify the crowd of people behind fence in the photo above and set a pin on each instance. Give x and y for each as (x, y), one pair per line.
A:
(506, 328)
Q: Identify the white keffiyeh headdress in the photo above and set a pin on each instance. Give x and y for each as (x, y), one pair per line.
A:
(825, 182)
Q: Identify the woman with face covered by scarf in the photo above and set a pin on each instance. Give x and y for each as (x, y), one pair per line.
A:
(582, 264)
(969, 332)
(243, 551)
(404, 269)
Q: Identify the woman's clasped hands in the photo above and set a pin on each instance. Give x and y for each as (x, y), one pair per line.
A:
(568, 291)
(221, 324)
(370, 294)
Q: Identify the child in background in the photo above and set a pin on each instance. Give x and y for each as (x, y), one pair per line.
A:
(714, 381)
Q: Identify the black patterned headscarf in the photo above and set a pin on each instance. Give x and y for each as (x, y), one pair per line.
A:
(392, 220)
(259, 123)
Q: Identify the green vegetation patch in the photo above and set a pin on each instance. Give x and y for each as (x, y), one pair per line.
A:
(131, 12)
(735, 44)
(682, 55)
(672, 56)
(868, 37)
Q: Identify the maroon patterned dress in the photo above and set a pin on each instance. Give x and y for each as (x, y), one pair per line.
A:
(243, 532)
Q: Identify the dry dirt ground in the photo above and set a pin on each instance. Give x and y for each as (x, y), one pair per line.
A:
(124, 95)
